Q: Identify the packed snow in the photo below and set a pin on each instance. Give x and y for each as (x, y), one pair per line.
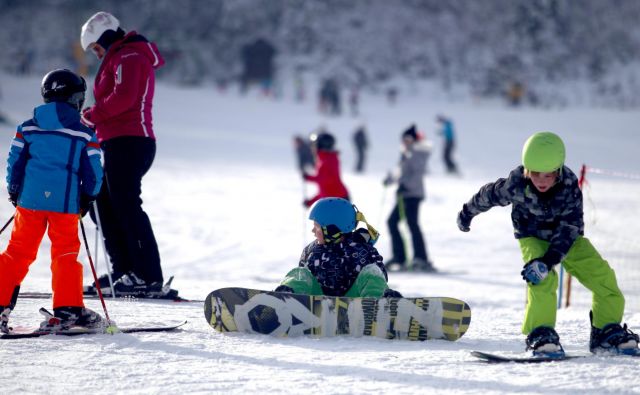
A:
(225, 200)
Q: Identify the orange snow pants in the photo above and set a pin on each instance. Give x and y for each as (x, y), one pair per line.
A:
(28, 229)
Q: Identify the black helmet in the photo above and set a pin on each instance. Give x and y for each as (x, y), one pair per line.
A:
(65, 86)
(323, 141)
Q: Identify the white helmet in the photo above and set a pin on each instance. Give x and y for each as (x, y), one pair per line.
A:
(95, 26)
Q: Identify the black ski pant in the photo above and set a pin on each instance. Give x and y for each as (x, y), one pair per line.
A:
(360, 158)
(447, 156)
(406, 208)
(126, 227)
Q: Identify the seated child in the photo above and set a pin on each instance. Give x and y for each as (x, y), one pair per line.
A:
(342, 261)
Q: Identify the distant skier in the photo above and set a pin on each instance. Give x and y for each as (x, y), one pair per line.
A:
(53, 174)
(327, 174)
(361, 143)
(342, 261)
(447, 132)
(410, 194)
(548, 223)
(304, 154)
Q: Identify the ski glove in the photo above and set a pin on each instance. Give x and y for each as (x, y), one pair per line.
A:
(535, 271)
(85, 203)
(464, 219)
(391, 293)
(13, 198)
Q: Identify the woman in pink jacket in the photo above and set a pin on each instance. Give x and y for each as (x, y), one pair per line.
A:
(123, 91)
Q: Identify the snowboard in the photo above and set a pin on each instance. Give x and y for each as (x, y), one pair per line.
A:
(288, 315)
(29, 333)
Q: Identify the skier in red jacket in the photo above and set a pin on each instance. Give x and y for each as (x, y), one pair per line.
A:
(123, 91)
(327, 169)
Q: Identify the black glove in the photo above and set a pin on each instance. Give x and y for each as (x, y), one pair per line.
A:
(391, 293)
(85, 203)
(464, 219)
(283, 288)
(551, 258)
(388, 180)
(13, 198)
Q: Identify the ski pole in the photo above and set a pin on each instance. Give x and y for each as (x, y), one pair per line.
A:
(304, 214)
(7, 224)
(104, 249)
(111, 328)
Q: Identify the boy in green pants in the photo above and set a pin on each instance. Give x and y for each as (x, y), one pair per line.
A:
(342, 261)
(548, 223)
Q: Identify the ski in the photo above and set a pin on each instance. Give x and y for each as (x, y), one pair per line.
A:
(501, 358)
(24, 334)
(496, 358)
(92, 296)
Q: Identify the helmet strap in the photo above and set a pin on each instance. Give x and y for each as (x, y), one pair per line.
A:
(372, 231)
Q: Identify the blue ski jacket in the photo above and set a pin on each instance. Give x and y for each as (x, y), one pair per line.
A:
(54, 159)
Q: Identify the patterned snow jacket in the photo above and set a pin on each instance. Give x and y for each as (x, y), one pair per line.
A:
(336, 266)
(53, 159)
(555, 216)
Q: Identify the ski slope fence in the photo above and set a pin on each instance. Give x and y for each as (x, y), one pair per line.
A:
(611, 208)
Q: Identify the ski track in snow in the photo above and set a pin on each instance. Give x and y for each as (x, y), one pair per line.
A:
(225, 201)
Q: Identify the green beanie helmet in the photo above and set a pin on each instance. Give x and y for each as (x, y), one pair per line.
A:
(543, 152)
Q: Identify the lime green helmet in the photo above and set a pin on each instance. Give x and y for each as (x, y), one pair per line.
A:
(543, 152)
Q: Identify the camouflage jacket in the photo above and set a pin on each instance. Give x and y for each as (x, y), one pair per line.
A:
(555, 216)
(336, 266)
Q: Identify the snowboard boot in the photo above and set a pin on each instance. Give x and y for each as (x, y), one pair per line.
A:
(132, 285)
(613, 338)
(4, 319)
(422, 265)
(544, 341)
(67, 317)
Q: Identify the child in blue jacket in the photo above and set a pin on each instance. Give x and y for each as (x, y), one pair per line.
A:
(54, 173)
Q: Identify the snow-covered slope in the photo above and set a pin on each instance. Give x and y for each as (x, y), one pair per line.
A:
(225, 201)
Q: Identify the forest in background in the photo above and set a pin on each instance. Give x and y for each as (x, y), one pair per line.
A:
(563, 51)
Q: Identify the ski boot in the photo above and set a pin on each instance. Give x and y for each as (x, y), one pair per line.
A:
(613, 338)
(544, 342)
(105, 286)
(4, 319)
(422, 265)
(131, 285)
(64, 318)
(395, 265)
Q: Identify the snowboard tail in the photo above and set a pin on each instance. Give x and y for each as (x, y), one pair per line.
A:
(286, 314)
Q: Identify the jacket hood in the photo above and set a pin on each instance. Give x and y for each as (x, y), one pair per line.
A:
(55, 115)
(142, 45)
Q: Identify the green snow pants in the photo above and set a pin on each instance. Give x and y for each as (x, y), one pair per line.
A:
(585, 264)
(370, 283)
